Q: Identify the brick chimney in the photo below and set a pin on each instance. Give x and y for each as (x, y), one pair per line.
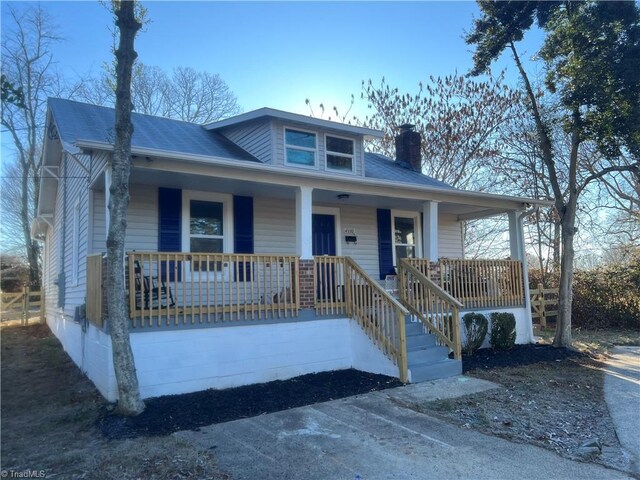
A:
(408, 143)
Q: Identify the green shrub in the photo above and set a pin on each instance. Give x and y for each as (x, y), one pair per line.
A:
(503, 330)
(475, 328)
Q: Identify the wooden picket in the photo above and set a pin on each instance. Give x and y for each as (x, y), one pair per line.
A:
(21, 306)
(541, 299)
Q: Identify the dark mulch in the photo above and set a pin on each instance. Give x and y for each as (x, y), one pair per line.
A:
(488, 358)
(189, 411)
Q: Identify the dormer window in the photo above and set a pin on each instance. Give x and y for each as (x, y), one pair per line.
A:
(339, 153)
(300, 147)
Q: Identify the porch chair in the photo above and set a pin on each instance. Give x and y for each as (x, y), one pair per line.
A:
(148, 288)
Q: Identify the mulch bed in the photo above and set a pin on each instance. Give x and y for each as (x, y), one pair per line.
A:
(488, 358)
(189, 411)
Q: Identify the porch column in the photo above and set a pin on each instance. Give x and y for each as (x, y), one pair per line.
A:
(516, 241)
(430, 230)
(107, 196)
(304, 215)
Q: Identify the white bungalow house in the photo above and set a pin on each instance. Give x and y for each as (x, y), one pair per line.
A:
(262, 247)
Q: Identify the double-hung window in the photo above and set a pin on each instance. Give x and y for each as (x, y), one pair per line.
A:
(205, 230)
(300, 147)
(404, 237)
(339, 153)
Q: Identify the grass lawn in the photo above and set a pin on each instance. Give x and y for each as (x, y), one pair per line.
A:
(594, 342)
(49, 409)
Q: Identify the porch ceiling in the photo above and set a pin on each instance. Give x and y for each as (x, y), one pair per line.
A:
(320, 196)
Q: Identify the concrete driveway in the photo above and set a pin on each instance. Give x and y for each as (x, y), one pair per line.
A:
(375, 436)
(622, 393)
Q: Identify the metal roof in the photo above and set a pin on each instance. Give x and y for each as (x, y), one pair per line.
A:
(384, 168)
(82, 121)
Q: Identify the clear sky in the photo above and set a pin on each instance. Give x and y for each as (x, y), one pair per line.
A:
(277, 54)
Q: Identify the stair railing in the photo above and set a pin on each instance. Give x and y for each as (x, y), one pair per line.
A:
(342, 286)
(438, 311)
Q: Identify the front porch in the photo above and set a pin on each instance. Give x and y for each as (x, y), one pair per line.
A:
(169, 290)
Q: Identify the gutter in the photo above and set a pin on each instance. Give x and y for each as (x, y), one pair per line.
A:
(268, 168)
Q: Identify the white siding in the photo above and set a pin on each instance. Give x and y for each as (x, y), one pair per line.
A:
(142, 220)
(278, 155)
(364, 221)
(449, 237)
(254, 138)
(99, 161)
(274, 226)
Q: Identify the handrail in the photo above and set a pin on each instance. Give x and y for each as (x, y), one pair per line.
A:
(435, 308)
(343, 287)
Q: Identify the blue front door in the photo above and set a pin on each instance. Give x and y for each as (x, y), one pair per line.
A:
(324, 243)
(324, 234)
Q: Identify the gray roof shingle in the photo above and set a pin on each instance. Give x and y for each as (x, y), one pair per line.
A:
(383, 168)
(81, 121)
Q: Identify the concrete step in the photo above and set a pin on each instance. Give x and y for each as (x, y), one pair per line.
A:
(420, 341)
(418, 356)
(424, 372)
(414, 328)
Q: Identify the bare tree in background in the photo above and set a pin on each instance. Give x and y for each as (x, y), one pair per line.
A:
(27, 66)
(129, 401)
(186, 94)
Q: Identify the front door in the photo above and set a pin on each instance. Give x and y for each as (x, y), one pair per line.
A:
(324, 243)
(324, 234)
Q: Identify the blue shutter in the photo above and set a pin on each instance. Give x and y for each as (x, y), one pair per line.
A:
(385, 243)
(243, 233)
(169, 226)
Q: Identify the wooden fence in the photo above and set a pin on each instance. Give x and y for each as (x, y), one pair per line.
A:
(22, 306)
(544, 303)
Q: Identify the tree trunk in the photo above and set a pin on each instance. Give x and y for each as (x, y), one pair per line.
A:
(565, 292)
(129, 401)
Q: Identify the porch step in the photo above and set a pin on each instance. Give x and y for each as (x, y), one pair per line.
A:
(425, 359)
(424, 372)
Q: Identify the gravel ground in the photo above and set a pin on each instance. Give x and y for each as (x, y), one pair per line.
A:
(552, 398)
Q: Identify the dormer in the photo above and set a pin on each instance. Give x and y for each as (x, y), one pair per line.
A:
(298, 142)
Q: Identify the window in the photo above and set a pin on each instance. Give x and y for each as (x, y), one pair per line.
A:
(404, 237)
(206, 229)
(300, 147)
(339, 153)
(75, 244)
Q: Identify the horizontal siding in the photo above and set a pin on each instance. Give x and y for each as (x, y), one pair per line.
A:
(99, 161)
(254, 138)
(449, 237)
(274, 226)
(99, 227)
(365, 252)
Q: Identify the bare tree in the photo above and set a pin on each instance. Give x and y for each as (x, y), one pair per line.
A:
(129, 400)
(27, 66)
(186, 94)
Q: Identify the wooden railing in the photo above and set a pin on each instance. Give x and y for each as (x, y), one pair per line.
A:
(190, 288)
(544, 303)
(343, 288)
(478, 283)
(438, 311)
(95, 289)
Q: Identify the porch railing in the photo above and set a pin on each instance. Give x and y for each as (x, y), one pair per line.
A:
(343, 288)
(188, 288)
(438, 311)
(477, 283)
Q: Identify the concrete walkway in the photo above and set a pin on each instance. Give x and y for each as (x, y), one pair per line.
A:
(622, 393)
(378, 436)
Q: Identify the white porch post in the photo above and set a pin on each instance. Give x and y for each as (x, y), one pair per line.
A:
(304, 215)
(107, 196)
(516, 243)
(430, 230)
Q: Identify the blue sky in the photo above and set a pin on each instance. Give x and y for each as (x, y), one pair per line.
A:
(279, 54)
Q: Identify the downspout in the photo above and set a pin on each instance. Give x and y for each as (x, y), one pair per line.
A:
(525, 270)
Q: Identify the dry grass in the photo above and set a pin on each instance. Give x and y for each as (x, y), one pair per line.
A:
(593, 342)
(48, 413)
